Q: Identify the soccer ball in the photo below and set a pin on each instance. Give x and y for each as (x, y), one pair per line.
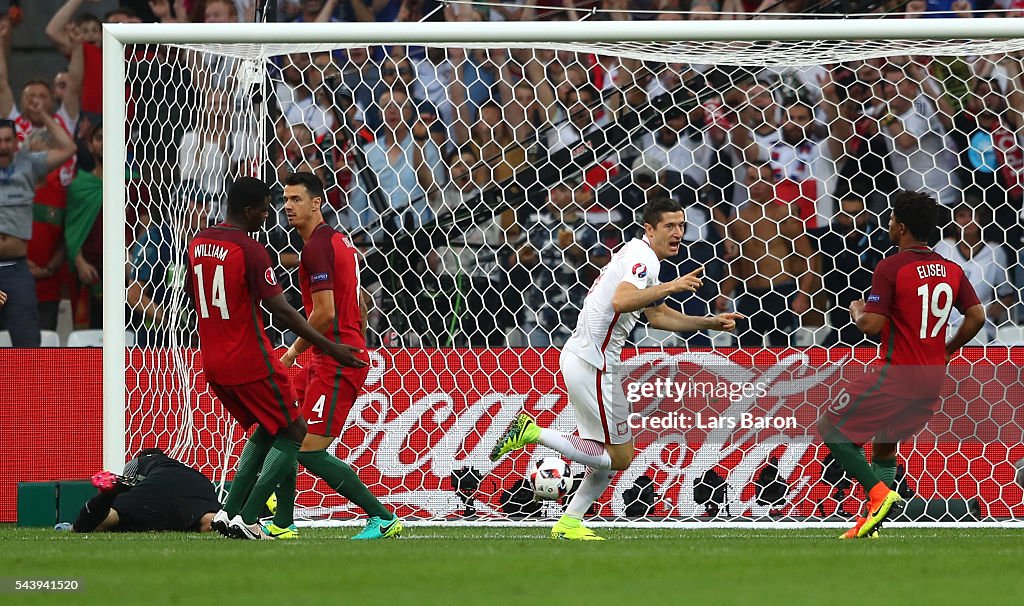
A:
(550, 478)
(1018, 475)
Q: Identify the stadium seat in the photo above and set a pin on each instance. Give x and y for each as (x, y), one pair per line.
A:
(47, 338)
(94, 338)
(85, 338)
(1010, 334)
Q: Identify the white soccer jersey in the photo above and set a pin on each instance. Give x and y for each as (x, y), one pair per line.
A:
(600, 331)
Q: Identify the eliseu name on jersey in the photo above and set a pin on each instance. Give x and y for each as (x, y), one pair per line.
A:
(209, 250)
(931, 270)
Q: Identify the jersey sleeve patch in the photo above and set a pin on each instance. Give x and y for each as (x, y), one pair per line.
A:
(874, 298)
(320, 277)
(270, 276)
(640, 270)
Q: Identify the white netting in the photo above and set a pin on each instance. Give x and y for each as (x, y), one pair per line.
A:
(481, 241)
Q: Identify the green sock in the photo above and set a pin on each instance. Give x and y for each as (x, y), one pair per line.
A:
(249, 465)
(280, 462)
(885, 469)
(285, 514)
(852, 458)
(340, 477)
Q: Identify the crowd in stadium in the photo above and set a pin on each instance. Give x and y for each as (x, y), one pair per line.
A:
(784, 173)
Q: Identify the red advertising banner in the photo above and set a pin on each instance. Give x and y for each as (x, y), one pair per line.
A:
(425, 414)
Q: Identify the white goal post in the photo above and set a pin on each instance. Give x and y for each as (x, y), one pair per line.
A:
(760, 43)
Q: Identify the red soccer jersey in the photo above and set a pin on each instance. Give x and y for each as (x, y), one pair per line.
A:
(329, 263)
(229, 274)
(917, 289)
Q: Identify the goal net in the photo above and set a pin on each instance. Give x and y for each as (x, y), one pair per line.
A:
(488, 171)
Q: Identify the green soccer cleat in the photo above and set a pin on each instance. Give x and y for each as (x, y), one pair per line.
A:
(573, 530)
(275, 531)
(879, 512)
(377, 528)
(522, 432)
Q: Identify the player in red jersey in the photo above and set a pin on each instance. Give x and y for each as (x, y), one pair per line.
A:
(329, 278)
(229, 275)
(912, 295)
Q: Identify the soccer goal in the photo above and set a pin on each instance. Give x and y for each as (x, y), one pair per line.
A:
(487, 170)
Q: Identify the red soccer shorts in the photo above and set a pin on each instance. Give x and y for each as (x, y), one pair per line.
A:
(326, 393)
(867, 414)
(269, 402)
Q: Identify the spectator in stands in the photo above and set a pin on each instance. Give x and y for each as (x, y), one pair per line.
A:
(678, 145)
(983, 263)
(583, 112)
(469, 264)
(67, 30)
(323, 11)
(19, 173)
(383, 11)
(398, 73)
(919, 154)
(46, 252)
(495, 142)
(850, 248)
(308, 102)
(83, 233)
(772, 276)
(553, 266)
(214, 152)
(403, 166)
(361, 78)
(157, 271)
(991, 156)
(805, 169)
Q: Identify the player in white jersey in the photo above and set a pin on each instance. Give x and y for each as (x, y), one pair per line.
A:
(589, 362)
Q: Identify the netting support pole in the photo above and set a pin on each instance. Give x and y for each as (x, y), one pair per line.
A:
(114, 288)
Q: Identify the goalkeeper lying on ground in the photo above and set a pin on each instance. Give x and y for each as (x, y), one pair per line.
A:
(156, 492)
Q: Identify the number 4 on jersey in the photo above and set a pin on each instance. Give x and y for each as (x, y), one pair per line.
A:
(218, 297)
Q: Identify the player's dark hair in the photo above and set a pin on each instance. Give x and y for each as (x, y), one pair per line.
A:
(311, 182)
(657, 207)
(918, 212)
(246, 192)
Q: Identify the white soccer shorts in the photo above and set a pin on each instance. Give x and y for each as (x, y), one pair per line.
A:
(596, 396)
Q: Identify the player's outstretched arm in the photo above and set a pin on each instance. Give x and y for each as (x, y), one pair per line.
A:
(974, 320)
(666, 318)
(286, 314)
(628, 298)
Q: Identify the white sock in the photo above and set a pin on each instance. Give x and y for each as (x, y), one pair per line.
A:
(590, 453)
(591, 489)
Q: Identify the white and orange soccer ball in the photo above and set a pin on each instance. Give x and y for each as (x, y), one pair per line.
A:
(550, 478)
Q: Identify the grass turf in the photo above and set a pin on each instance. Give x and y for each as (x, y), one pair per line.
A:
(462, 566)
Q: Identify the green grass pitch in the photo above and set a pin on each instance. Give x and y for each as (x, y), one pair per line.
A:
(464, 566)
